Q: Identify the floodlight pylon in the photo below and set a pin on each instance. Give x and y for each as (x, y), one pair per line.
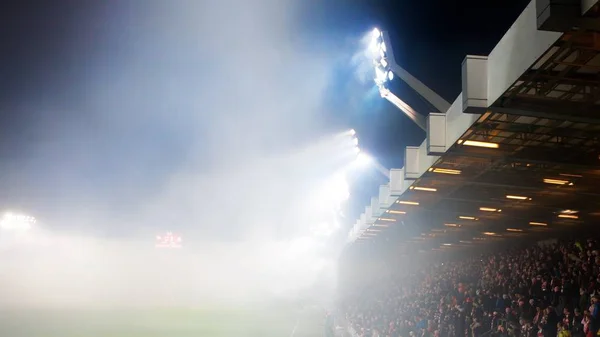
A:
(407, 109)
(424, 91)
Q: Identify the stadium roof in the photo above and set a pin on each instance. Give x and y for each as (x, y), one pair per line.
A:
(518, 152)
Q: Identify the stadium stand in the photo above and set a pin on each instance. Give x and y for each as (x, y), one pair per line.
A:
(541, 290)
(513, 161)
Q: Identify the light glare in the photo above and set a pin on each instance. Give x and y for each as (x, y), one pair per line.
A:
(376, 33)
(363, 160)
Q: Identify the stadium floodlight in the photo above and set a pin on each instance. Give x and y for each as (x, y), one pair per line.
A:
(382, 64)
(383, 55)
(16, 222)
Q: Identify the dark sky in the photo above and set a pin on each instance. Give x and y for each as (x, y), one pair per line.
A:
(51, 50)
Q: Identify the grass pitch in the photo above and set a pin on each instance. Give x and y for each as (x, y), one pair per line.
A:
(173, 322)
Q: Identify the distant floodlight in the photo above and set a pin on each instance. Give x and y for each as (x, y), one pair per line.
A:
(12, 221)
(168, 240)
(390, 75)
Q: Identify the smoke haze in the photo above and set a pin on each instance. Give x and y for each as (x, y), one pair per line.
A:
(188, 116)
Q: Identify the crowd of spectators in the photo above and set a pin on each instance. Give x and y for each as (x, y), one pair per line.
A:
(539, 291)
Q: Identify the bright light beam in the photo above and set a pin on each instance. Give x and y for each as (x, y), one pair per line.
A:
(16, 222)
(363, 160)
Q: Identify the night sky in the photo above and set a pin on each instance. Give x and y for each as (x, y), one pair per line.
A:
(46, 60)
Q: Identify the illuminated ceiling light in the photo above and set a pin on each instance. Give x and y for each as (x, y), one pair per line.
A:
(403, 202)
(571, 175)
(480, 144)
(395, 212)
(514, 230)
(451, 225)
(568, 216)
(569, 211)
(426, 189)
(557, 181)
(384, 63)
(465, 217)
(387, 219)
(355, 141)
(380, 225)
(373, 230)
(465, 241)
(356, 150)
(489, 233)
(489, 209)
(517, 197)
(447, 244)
(446, 171)
(352, 132)
(390, 74)
(535, 223)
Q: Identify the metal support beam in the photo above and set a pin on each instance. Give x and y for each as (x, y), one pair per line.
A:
(429, 95)
(408, 111)
(548, 115)
(541, 158)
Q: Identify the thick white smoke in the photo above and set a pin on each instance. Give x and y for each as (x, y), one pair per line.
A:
(201, 112)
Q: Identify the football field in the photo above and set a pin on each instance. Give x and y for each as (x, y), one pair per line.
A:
(270, 321)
